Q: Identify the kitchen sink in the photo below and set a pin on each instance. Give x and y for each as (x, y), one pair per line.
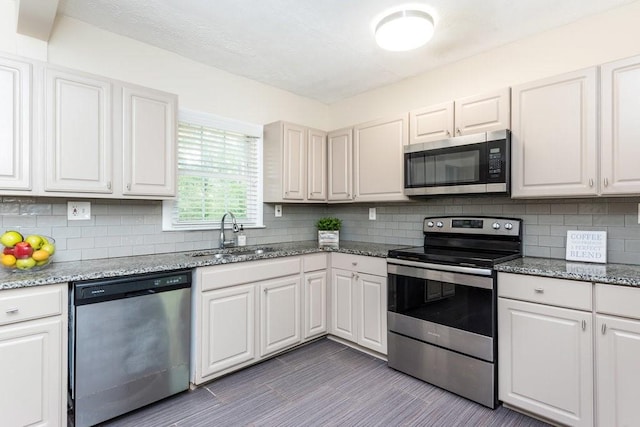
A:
(252, 251)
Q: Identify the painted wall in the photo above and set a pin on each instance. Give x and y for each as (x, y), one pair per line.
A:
(594, 40)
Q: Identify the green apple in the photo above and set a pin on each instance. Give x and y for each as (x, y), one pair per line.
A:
(48, 247)
(35, 241)
(25, 263)
(10, 238)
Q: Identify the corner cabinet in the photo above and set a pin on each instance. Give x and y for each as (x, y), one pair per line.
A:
(33, 356)
(554, 136)
(620, 127)
(359, 300)
(378, 158)
(149, 142)
(617, 354)
(295, 164)
(16, 130)
(464, 116)
(545, 347)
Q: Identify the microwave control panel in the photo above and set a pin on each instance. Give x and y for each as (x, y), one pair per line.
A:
(495, 162)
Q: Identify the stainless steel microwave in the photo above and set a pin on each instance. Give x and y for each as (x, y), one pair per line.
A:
(472, 164)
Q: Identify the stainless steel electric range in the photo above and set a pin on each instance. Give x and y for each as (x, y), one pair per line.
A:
(442, 317)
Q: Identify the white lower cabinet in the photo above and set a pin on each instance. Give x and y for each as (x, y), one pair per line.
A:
(545, 348)
(359, 300)
(228, 334)
(33, 356)
(617, 355)
(279, 314)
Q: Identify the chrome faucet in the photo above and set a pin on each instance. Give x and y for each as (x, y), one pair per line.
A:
(224, 242)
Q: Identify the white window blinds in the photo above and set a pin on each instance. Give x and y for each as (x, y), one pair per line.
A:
(219, 170)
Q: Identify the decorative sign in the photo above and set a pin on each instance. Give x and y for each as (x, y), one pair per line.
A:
(587, 246)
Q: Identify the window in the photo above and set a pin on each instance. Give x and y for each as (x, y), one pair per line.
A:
(219, 170)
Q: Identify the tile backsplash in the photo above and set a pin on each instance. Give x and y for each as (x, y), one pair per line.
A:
(133, 227)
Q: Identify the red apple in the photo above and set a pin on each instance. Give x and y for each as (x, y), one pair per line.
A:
(22, 250)
(7, 251)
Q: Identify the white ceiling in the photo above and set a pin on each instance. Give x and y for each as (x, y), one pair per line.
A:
(323, 49)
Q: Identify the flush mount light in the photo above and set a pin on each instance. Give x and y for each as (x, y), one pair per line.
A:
(404, 30)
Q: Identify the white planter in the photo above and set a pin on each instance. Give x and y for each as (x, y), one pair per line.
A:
(328, 239)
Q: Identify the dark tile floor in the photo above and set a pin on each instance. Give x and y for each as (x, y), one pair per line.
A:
(322, 384)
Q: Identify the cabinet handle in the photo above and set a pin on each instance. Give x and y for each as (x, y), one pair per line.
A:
(604, 328)
(458, 131)
(448, 133)
(584, 325)
(265, 291)
(357, 277)
(12, 310)
(590, 182)
(539, 290)
(128, 187)
(606, 182)
(354, 263)
(109, 185)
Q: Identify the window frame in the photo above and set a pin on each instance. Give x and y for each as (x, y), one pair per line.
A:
(224, 124)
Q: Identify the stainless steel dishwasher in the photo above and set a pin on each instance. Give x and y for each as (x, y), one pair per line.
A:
(129, 341)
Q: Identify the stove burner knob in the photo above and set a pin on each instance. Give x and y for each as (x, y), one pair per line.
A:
(430, 224)
(439, 224)
(508, 226)
(496, 226)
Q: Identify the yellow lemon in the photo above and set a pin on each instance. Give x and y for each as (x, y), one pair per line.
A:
(8, 260)
(40, 255)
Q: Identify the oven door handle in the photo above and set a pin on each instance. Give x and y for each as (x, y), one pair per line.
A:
(457, 278)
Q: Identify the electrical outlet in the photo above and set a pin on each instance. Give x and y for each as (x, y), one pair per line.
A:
(372, 214)
(78, 211)
(278, 211)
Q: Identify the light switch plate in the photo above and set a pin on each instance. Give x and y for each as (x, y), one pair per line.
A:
(372, 214)
(78, 211)
(278, 211)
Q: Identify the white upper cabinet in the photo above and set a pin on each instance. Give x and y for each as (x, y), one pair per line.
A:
(379, 159)
(340, 171)
(295, 163)
(554, 138)
(78, 138)
(620, 127)
(483, 113)
(473, 114)
(149, 142)
(15, 124)
(431, 123)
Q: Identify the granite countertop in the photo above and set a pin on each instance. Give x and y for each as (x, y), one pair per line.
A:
(113, 267)
(615, 274)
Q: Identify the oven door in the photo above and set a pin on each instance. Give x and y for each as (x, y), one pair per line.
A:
(452, 310)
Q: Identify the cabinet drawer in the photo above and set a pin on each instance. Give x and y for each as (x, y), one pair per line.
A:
(545, 290)
(363, 264)
(220, 276)
(314, 262)
(17, 305)
(618, 300)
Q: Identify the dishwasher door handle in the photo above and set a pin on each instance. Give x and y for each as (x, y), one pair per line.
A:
(139, 293)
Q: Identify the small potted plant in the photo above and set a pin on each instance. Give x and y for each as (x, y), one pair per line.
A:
(328, 232)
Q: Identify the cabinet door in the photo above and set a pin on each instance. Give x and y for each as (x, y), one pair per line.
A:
(340, 148)
(379, 159)
(149, 142)
(279, 314)
(617, 353)
(343, 318)
(315, 303)
(78, 139)
(31, 366)
(15, 125)
(554, 136)
(317, 165)
(483, 113)
(431, 123)
(295, 162)
(372, 303)
(227, 330)
(620, 127)
(546, 361)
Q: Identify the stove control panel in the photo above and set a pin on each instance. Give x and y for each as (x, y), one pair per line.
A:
(473, 225)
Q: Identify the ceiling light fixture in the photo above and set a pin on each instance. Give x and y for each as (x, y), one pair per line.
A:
(404, 30)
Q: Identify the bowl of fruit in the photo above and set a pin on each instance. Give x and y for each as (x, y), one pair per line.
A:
(26, 253)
